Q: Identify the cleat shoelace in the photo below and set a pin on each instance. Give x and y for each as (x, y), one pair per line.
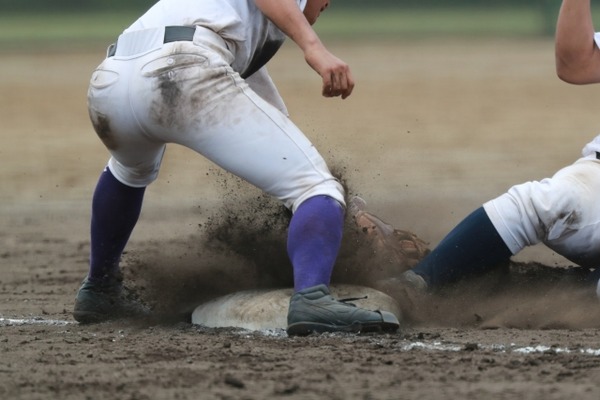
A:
(348, 300)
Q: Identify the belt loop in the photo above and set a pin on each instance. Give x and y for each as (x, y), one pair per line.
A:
(179, 33)
(111, 50)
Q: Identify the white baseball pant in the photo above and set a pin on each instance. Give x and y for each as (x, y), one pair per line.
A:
(563, 212)
(151, 93)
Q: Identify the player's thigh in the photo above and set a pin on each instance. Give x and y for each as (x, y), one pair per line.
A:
(135, 157)
(568, 200)
(577, 233)
(255, 141)
(557, 207)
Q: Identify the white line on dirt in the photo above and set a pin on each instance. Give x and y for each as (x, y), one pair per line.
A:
(431, 346)
(512, 348)
(455, 347)
(32, 321)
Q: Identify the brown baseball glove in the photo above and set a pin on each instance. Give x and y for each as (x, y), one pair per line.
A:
(403, 248)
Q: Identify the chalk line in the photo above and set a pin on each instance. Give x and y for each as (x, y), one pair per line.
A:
(409, 346)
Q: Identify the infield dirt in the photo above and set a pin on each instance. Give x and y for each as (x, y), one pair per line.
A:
(433, 129)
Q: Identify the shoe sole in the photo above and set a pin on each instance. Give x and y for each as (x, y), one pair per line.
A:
(389, 323)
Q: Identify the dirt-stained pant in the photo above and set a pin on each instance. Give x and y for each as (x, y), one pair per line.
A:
(563, 212)
(149, 94)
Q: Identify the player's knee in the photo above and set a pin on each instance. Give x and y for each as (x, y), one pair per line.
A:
(134, 177)
(331, 188)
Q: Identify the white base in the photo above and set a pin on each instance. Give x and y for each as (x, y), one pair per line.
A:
(267, 309)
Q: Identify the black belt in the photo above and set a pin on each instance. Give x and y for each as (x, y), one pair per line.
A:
(172, 34)
(597, 155)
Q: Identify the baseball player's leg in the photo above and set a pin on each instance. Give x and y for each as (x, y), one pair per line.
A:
(560, 211)
(207, 107)
(115, 211)
(521, 217)
(269, 151)
(577, 236)
(117, 203)
(117, 199)
(314, 239)
(252, 139)
(473, 247)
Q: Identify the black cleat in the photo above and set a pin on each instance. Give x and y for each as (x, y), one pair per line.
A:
(315, 310)
(99, 302)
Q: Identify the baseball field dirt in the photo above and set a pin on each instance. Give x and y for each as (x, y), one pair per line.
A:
(433, 129)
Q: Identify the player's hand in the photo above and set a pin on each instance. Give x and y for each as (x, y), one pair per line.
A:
(336, 74)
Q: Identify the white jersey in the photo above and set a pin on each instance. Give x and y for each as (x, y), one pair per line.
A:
(251, 37)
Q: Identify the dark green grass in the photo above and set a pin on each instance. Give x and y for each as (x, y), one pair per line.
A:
(77, 30)
(426, 23)
(61, 30)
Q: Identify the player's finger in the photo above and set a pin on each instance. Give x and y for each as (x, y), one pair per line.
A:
(344, 82)
(347, 85)
(327, 87)
(338, 86)
(338, 83)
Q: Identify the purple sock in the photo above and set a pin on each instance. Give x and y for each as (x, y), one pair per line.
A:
(115, 210)
(314, 239)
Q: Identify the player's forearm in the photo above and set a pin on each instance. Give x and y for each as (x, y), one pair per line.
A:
(577, 56)
(289, 18)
